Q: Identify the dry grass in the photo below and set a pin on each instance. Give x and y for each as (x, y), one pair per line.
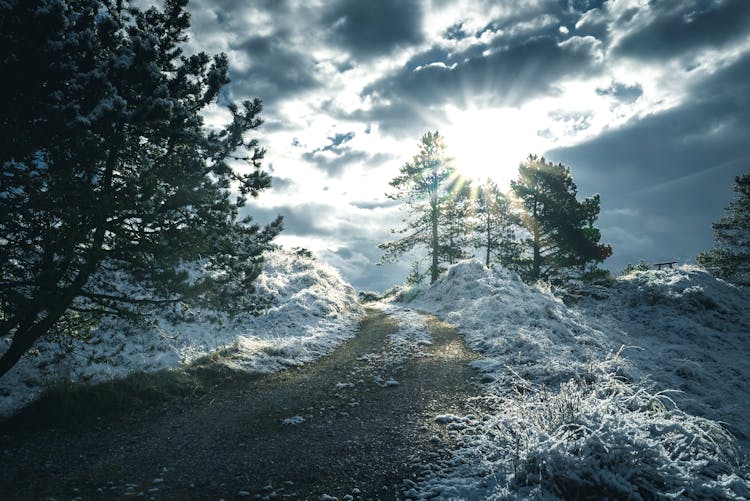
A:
(77, 405)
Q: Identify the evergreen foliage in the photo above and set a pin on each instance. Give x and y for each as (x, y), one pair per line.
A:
(730, 257)
(416, 276)
(562, 241)
(494, 228)
(111, 183)
(422, 186)
(455, 221)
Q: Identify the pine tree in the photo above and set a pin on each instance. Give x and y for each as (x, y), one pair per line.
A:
(494, 228)
(730, 257)
(422, 187)
(562, 242)
(111, 183)
(416, 276)
(455, 224)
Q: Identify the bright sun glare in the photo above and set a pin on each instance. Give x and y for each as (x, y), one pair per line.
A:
(491, 143)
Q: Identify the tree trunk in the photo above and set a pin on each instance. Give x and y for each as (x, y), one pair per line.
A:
(434, 241)
(489, 242)
(21, 343)
(537, 245)
(537, 264)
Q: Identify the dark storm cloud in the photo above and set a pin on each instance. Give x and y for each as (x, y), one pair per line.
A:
(582, 5)
(665, 178)
(397, 119)
(676, 28)
(278, 71)
(505, 75)
(279, 67)
(370, 28)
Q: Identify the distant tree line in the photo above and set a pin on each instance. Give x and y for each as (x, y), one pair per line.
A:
(539, 228)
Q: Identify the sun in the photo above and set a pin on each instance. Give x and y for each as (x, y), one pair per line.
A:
(492, 142)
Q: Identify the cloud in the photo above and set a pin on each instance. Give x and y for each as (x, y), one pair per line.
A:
(337, 140)
(345, 238)
(367, 29)
(621, 91)
(262, 40)
(359, 82)
(498, 75)
(334, 157)
(669, 29)
(676, 167)
(277, 70)
(281, 184)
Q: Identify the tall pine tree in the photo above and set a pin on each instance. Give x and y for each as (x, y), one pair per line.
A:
(455, 220)
(111, 182)
(730, 257)
(562, 241)
(422, 187)
(494, 225)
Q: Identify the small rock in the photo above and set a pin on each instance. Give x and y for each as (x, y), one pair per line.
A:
(294, 420)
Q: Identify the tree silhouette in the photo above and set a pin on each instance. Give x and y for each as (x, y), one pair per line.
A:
(730, 257)
(111, 183)
(562, 241)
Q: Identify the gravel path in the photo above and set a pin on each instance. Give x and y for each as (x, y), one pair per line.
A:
(359, 422)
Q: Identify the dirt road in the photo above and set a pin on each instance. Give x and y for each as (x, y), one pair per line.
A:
(359, 422)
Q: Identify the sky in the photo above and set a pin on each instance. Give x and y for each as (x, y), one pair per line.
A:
(647, 103)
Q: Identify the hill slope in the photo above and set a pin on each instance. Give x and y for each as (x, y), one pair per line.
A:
(579, 399)
(312, 310)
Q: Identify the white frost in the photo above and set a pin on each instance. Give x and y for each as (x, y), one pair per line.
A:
(580, 395)
(313, 310)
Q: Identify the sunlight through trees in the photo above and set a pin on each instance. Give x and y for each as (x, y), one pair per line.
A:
(538, 229)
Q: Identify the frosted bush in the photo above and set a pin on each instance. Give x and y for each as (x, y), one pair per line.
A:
(612, 440)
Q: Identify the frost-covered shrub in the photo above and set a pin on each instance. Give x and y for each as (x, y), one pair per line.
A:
(613, 440)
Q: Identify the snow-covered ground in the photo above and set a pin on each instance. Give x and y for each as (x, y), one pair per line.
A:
(686, 331)
(312, 311)
(581, 399)
(401, 346)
